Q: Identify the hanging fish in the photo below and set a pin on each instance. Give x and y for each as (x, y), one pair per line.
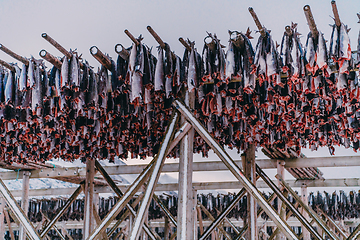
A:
(31, 74)
(57, 80)
(230, 61)
(358, 50)
(177, 81)
(23, 78)
(191, 77)
(64, 81)
(159, 72)
(344, 46)
(36, 93)
(10, 89)
(321, 56)
(168, 72)
(74, 79)
(310, 54)
(136, 75)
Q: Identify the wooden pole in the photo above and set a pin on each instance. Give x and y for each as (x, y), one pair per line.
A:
(59, 47)
(56, 45)
(288, 30)
(137, 43)
(156, 36)
(237, 39)
(50, 58)
(7, 65)
(257, 22)
(304, 198)
(195, 222)
(119, 49)
(97, 219)
(281, 205)
(2, 218)
(25, 200)
(250, 173)
(14, 55)
(89, 198)
(166, 228)
(186, 45)
(199, 216)
(7, 217)
(186, 207)
(311, 22)
(96, 200)
(102, 59)
(336, 13)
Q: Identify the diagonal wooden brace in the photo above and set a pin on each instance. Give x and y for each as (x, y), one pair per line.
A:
(156, 170)
(311, 212)
(139, 182)
(234, 168)
(120, 194)
(18, 212)
(61, 211)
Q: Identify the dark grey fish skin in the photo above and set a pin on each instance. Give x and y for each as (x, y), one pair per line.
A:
(192, 75)
(64, 81)
(10, 89)
(23, 78)
(37, 93)
(31, 74)
(358, 49)
(93, 95)
(159, 71)
(74, 73)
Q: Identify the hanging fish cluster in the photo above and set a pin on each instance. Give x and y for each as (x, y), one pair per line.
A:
(337, 205)
(298, 96)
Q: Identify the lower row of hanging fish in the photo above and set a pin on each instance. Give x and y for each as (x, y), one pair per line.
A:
(336, 205)
(298, 97)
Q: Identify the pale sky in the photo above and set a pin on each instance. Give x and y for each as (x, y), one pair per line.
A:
(82, 24)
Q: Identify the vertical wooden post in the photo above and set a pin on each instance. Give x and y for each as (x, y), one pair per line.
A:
(199, 216)
(7, 217)
(25, 200)
(281, 172)
(129, 226)
(96, 201)
(249, 166)
(89, 198)
(213, 235)
(2, 218)
(166, 228)
(304, 198)
(144, 235)
(186, 207)
(195, 214)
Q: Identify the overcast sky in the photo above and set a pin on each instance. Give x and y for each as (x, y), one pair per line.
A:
(82, 24)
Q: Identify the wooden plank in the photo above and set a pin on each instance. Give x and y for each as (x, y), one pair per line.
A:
(304, 198)
(250, 173)
(9, 224)
(281, 206)
(2, 218)
(89, 197)
(25, 200)
(342, 182)
(59, 172)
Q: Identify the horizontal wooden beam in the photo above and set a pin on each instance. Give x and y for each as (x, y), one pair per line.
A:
(59, 172)
(160, 223)
(344, 182)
